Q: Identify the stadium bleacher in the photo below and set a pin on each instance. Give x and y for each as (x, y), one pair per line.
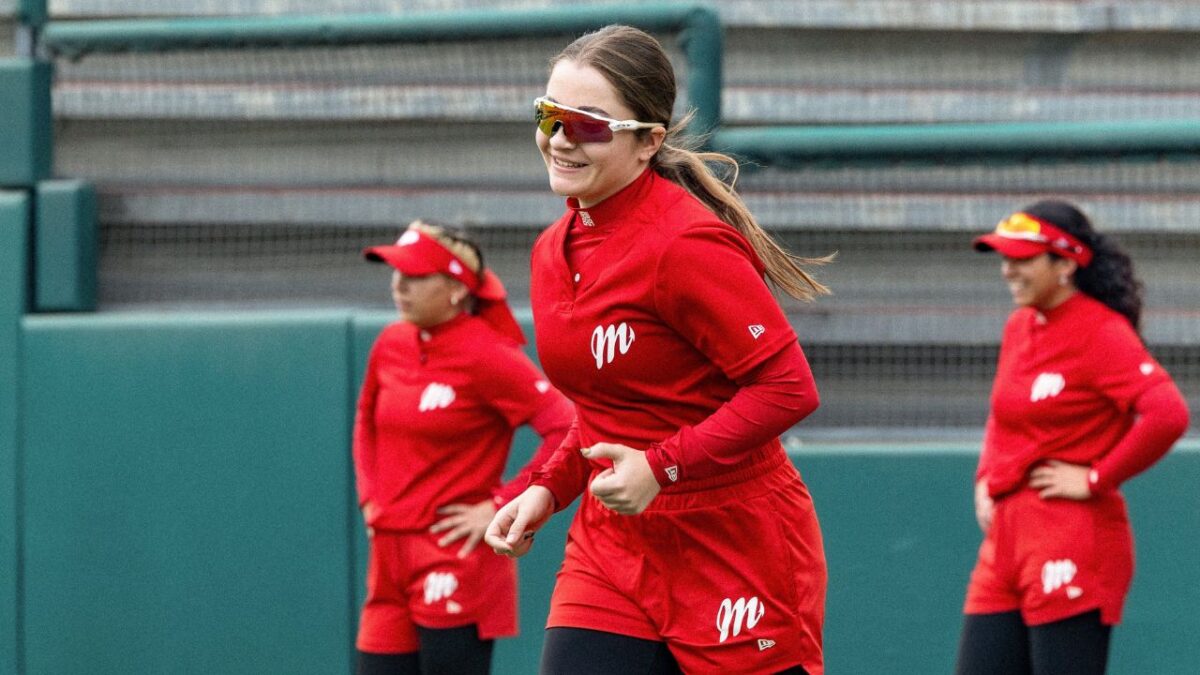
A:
(236, 177)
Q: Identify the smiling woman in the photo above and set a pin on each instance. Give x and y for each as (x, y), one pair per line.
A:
(682, 382)
(1078, 407)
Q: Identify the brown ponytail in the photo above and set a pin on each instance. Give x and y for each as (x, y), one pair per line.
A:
(638, 69)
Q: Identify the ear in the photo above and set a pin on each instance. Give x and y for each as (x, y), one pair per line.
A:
(1066, 266)
(651, 143)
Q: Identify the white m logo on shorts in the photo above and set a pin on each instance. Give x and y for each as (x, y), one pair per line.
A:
(733, 615)
(439, 586)
(436, 396)
(1057, 573)
(606, 342)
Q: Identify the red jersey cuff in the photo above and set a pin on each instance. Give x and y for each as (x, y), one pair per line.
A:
(664, 462)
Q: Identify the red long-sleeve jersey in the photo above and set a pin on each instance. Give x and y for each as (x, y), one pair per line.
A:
(1076, 384)
(655, 320)
(436, 417)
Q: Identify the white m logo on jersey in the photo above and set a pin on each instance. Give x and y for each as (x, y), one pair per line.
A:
(733, 615)
(606, 342)
(1056, 573)
(439, 586)
(436, 396)
(1047, 385)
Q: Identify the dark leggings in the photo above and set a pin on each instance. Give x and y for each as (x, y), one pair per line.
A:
(578, 651)
(444, 651)
(1001, 644)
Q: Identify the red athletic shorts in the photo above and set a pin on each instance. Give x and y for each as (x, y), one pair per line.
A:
(1054, 559)
(730, 574)
(411, 581)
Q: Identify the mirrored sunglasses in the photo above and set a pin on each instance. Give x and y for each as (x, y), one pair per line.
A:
(580, 126)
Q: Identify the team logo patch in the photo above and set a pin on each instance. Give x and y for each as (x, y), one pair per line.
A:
(732, 615)
(409, 237)
(435, 397)
(439, 586)
(1047, 385)
(764, 645)
(1056, 574)
(455, 267)
(608, 341)
(673, 473)
(757, 330)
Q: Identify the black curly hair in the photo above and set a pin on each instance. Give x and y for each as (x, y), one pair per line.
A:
(1110, 277)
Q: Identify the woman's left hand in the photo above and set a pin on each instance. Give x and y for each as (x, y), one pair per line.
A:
(1061, 480)
(467, 521)
(629, 486)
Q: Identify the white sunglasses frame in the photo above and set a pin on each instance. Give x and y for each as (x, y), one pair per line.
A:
(613, 125)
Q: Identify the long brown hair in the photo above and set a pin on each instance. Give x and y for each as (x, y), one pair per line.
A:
(638, 68)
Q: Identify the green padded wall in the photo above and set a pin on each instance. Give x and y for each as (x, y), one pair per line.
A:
(186, 489)
(189, 508)
(900, 540)
(65, 246)
(25, 126)
(14, 256)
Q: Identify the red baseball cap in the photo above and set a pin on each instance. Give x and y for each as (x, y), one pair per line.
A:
(1024, 236)
(417, 254)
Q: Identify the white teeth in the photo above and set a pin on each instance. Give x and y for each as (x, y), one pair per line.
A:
(569, 165)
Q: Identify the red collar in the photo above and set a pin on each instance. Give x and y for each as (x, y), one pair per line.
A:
(611, 209)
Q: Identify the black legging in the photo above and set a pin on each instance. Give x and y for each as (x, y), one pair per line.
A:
(444, 651)
(1001, 644)
(578, 651)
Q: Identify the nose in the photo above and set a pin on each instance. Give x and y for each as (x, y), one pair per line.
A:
(1007, 268)
(558, 137)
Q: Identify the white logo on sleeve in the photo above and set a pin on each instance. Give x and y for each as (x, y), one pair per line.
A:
(1056, 574)
(607, 341)
(764, 645)
(436, 396)
(1146, 368)
(673, 472)
(733, 615)
(757, 330)
(1047, 385)
(439, 586)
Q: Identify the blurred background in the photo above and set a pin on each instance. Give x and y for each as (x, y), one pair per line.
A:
(185, 315)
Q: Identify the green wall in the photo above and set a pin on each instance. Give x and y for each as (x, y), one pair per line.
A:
(14, 256)
(188, 507)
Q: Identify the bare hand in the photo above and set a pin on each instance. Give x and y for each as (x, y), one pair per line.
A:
(368, 512)
(511, 531)
(983, 505)
(1060, 480)
(629, 486)
(467, 521)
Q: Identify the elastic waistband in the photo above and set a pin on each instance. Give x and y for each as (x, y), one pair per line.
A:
(741, 483)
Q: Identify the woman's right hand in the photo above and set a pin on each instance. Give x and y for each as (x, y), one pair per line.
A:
(511, 531)
(983, 505)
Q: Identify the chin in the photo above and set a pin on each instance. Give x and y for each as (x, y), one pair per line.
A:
(562, 188)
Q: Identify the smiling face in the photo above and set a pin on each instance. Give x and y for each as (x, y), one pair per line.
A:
(427, 301)
(1036, 281)
(592, 172)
